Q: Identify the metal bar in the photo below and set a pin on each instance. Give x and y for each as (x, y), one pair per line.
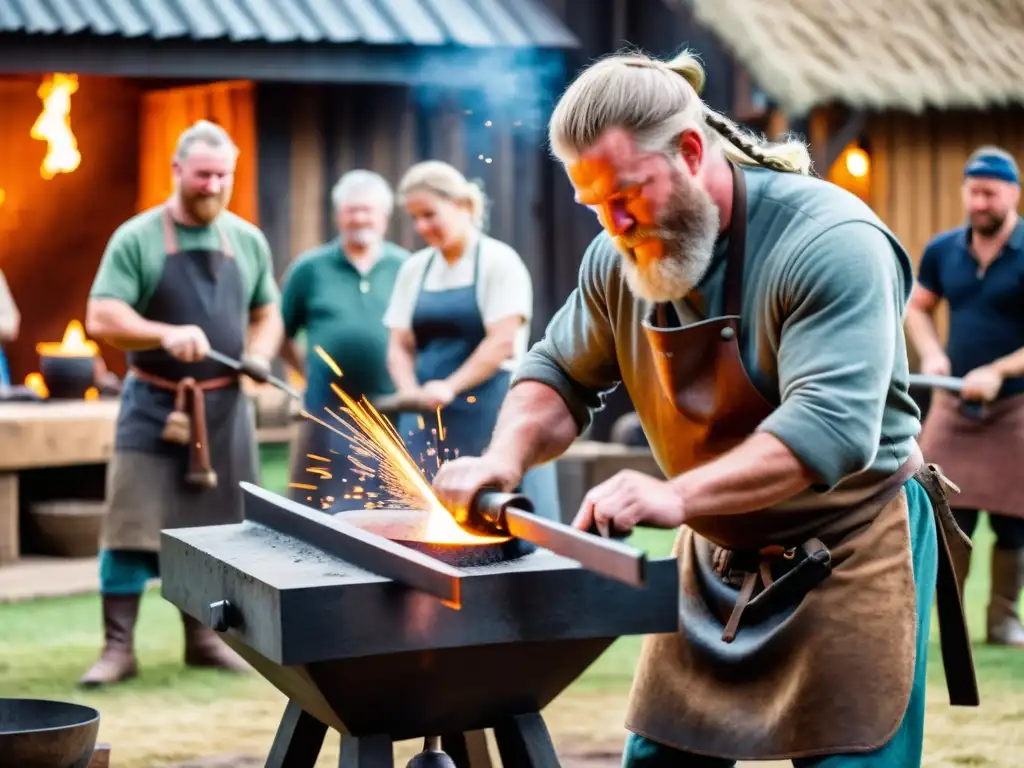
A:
(239, 366)
(512, 514)
(927, 381)
(361, 548)
(609, 558)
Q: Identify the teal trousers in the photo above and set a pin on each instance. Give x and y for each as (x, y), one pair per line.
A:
(126, 571)
(904, 749)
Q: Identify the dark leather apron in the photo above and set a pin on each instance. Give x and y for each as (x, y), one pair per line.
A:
(154, 482)
(980, 453)
(797, 628)
(448, 327)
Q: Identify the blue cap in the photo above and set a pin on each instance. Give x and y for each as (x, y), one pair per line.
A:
(992, 164)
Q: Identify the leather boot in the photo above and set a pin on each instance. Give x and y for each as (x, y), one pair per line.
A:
(117, 660)
(203, 648)
(1004, 626)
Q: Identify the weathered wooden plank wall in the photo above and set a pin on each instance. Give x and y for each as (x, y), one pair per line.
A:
(387, 129)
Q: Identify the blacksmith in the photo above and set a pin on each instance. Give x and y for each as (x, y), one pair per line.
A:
(754, 315)
(978, 269)
(174, 282)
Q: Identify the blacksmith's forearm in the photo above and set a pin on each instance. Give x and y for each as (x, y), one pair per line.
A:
(759, 473)
(116, 323)
(482, 364)
(1012, 365)
(534, 426)
(923, 333)
(266, 330)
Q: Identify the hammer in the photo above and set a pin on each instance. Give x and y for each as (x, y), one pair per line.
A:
(383, 403)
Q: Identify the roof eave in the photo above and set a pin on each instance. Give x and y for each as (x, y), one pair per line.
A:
(284, 62)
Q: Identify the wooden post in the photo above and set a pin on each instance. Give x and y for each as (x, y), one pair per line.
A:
(10, 548)
(100, 757)
(307, 172)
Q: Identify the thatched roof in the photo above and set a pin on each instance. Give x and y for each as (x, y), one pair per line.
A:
(876, 54)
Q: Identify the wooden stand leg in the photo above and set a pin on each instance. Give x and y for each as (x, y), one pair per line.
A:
(299, 739)
(524, 742)
(367, 752)
(10, 543)
(467, 750)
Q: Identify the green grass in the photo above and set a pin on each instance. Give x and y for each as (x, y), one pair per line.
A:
(45, 645)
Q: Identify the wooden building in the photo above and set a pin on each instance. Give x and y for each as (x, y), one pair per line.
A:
(308, 91)
(893, 95)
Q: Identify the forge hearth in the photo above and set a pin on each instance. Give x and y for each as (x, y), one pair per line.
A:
(391, 650)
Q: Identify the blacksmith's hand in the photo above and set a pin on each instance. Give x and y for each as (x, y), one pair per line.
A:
(187, 343)
(437, 394)
(936, 365)
(982, 384)
(256, 368)
(458, 481)
(628, 499)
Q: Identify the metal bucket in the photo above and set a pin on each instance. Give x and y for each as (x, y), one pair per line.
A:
(36, 733)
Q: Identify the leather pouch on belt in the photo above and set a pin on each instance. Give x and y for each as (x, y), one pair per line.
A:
(811, 565)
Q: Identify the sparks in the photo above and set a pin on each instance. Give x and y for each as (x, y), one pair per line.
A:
(378, 452)
(335, 369)
(372, 436)
(440, 427)
(302, 486)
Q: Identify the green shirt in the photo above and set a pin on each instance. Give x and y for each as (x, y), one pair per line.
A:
(824, 292)
(133, 262)
(323, 297)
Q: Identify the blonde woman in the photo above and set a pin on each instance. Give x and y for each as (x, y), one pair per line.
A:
(459, 319)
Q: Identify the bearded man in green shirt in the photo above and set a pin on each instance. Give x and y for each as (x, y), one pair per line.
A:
(754, 314)
(176, 281)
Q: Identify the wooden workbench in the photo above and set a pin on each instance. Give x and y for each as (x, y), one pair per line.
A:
(51, 434)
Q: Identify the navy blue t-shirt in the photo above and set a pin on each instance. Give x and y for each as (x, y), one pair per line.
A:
(986, 308)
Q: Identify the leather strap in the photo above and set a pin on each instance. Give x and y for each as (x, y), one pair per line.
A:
(189, 399)
(954, 638)
(737, 255)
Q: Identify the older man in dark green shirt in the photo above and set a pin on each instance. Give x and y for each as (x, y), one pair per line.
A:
(335, 296)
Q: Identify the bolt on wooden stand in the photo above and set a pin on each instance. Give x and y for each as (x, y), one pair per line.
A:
(384, 643)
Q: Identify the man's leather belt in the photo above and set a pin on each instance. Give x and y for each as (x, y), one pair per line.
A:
(186, 424)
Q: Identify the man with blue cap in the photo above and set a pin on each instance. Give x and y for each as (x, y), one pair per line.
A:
(978, 268)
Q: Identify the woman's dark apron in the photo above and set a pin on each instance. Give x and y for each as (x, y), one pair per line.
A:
(448, 327)
(155, 480)
(799, 648)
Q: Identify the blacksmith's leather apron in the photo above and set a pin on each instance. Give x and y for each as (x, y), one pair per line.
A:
(979, 452)
(185, 436)
(797, 629)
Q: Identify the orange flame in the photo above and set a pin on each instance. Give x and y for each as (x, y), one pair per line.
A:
(74, 344)
(35, 382)
(54, 125)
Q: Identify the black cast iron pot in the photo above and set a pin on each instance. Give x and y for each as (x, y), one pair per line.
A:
(67, 378)
(36, 733)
